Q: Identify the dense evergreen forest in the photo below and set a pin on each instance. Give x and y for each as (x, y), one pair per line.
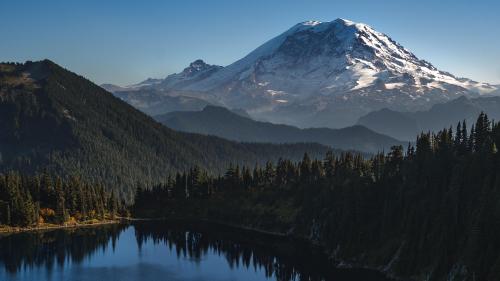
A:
(55, 120)
(34, 200)
(430, 211)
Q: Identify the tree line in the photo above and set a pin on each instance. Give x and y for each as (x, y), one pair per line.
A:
(66, 125)
(431, 208)
(42, 198)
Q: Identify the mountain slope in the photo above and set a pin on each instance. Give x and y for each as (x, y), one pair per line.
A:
(405, 125)
(323, 74)
(52, 118)
(221, 122)
(152, 102)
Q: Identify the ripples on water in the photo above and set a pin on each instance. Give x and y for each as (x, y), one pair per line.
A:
(157, 251)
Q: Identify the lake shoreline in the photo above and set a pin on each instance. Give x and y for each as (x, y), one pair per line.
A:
(203, 223)
(6, 230)
(273, 235)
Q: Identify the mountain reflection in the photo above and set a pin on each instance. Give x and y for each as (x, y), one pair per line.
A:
(280, 259)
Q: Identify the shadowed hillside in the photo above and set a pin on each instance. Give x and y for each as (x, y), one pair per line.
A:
(54, 119)
(222, 122)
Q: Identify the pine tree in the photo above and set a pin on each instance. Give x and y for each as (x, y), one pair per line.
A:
(316, 171)
(269, 174)
(60, 210)
(246, 178)
(305, 169)
(27, 210)
(257, 176)
(281, 173)
(472, 140)
(329, 165)
(113, 205)
(482, 130)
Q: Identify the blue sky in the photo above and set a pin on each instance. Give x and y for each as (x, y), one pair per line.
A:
(124, 42)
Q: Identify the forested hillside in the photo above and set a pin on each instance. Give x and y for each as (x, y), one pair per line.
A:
(430, 213)
(52, 119)
(40, 199)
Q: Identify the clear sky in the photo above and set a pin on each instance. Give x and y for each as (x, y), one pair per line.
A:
(124, 42)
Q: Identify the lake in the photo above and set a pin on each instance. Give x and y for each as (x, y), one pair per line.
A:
(153, 251)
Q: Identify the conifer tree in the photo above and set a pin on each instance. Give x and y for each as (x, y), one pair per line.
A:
(329, 165)
(113, 205)
(61, 214)
(305, 169)
(269, 174)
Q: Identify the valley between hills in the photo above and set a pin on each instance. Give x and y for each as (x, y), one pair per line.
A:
(330, 136)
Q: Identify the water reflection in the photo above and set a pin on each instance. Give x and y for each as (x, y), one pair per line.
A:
(48, 248)
(160, 251)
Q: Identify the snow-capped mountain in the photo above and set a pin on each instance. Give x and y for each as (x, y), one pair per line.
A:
(195, 72)
(323, 74)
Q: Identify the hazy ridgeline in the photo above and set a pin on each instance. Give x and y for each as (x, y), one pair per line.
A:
(328, 148)
(56, 121)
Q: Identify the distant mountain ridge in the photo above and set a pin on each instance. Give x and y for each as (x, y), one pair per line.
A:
(151, 102)
(219, 121)
(404, 125)
(322, 74)
(55, 120)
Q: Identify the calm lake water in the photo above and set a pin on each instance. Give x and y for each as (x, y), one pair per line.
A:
(159, 251)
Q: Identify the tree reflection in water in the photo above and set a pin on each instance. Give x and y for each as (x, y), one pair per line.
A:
(278, 257)
(47, 248)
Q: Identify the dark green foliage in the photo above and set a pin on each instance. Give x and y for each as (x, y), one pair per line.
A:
(53, 119)
(25, 199)
(430, 213)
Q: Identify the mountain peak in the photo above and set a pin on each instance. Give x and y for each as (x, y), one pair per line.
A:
(310, 23)
(337, 21)
(214, 108)
(323, 69)
(318, 26)
(197, 66)
(347, 22)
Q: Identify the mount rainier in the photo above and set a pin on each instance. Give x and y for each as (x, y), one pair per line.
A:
(316, 74)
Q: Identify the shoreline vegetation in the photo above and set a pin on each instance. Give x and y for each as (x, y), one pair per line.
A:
(6, 229)
(266, 237)
(44, 201)
(428, 213)
(269, 251)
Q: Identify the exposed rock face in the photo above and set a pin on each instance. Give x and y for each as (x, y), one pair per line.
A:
(322, 74)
